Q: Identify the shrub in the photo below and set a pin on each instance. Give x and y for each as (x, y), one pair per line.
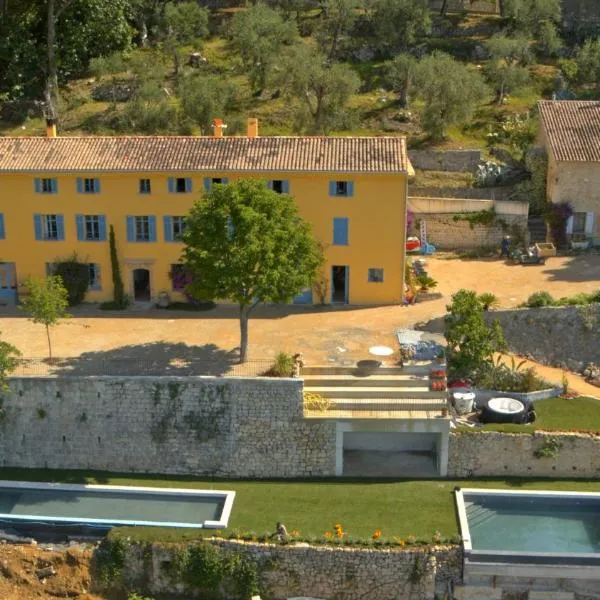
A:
(538, 299)
(488, 300)
(425, 282)
(282, 367)
(75, 278)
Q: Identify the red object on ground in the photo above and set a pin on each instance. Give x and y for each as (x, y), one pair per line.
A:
(412, 244)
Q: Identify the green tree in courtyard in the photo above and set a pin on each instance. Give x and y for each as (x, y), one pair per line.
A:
(46, 303)
(9, 357)
(247, 243)
(450, 91)
(471, 341)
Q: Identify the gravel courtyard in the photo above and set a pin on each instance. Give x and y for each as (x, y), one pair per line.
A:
(322, 335)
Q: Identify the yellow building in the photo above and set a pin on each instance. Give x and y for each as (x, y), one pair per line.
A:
(59, 195)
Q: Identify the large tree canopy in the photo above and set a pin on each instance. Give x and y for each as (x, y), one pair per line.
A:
(247, 243)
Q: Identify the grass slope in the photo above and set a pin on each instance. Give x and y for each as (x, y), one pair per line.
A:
(397, 508)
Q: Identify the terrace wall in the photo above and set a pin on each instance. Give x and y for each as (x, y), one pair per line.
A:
(226, 427)
(494, 454)
(316, 571)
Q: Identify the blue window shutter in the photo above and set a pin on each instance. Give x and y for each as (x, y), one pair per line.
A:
(350, 188)
(188, 185)
(102, 227)
(340, 231)
(168, 223)
(152, 227)
(332, 188)
(60, 227)
(171, 185)
(285, 186)
(1, 226)
(270, 184)
(224, 180)
(130, 229)
(37, 226)
(37, 184)
(207, 183)
(79, 222)
(97, 185)
(54, 186)
(79, 185)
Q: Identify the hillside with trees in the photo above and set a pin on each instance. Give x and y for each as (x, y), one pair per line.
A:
(365, 67)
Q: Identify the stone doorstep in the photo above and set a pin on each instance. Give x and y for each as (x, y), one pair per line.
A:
(551, 596)
(478, 593)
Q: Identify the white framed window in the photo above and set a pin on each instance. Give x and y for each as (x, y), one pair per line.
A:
(178, 228)
(142, 229)
(579, 222)
(145, 187)
(95, 282)
(92, 227)
(50, 227)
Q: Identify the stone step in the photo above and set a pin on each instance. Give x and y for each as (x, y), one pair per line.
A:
(399, 381)
(387, 404)
(551, 595)
(376, 392)
(411, 369)
(470, 592)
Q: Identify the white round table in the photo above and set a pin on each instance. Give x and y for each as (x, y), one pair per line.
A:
(381, 351)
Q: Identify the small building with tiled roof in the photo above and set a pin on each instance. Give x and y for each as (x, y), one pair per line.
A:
(570, 133)
(61, 195)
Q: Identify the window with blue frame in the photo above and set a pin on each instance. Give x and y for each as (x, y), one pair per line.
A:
(141, 228)
(344, 189)
(174, 228)
(281, 186)
(145, 187)
(2, 231)
(210, 181)
(180, 185)
(45, 185)
(91, 228)
(375, 275)
(49, 227)
(88, 185)
(95, 282)
(340, 231)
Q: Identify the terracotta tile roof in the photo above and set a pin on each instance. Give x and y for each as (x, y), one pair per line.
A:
(572, 129)
(155, 153)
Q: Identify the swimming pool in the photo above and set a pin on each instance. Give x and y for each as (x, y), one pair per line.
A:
(539, 527)
(107, 506)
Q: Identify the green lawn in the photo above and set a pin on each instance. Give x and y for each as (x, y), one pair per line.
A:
(557, 414)
(397, 508)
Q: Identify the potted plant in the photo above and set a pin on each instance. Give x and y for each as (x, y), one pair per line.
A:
(579, 241)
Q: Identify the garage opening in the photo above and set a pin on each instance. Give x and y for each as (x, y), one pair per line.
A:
(390, 454)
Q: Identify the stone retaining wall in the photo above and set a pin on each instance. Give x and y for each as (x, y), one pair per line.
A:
(447, 160)
(491, 193)
(565, 336)
(493, 454)
(227, 427)
(316, 571)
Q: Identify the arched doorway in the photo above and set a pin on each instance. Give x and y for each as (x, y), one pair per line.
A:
(141, 285)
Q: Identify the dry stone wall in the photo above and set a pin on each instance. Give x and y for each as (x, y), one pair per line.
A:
(182, 425)
(448, 160)
(566, 336)
(317, 571)
(494, 454)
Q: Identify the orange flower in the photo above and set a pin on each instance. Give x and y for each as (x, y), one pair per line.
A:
(400, 542)
(376, 534)
(328, 534)
(339, 530)
(295, 533)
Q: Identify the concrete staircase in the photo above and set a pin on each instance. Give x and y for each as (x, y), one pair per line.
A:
(537, 229)
(397, 389)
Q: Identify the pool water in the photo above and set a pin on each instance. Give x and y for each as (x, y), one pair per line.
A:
(536, 524)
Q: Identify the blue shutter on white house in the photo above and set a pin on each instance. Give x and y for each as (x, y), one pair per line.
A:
(207, 184)
(130, 229)
(102, 227)
(350, 188)
(285, 187)
(171, 185)
(37, 226)
(332, 188)
(2, 233)
(80, 225)
(79, 185)
(60, 227)
(168, 226)
(340, 231)
(188, 185)
(37, 184)
(152, 228)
